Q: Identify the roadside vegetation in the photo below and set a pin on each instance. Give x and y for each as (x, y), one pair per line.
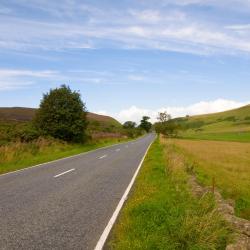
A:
(20, 155)
(227, 164)
(161, 213)
(60, 127)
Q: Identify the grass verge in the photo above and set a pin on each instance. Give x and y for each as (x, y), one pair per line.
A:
(162, 214)
(17, 156)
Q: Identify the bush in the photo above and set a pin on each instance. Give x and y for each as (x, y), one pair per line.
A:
(27, 133)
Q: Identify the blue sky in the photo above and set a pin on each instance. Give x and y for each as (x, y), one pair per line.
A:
(127, 58)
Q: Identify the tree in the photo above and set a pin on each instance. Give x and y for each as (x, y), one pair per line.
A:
(163, 116)
(145, 124)
(130, 129)
(166, 125)
(129, 125)
(62, 114)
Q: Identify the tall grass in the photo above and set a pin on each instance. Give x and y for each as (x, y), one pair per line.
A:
(18, 155)
(228, 163)
(162, 214)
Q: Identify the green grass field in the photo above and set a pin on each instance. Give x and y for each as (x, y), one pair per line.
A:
(162, 214)
(18, 155)
(233, 125)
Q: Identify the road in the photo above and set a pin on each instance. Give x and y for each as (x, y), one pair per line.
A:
(66, 204)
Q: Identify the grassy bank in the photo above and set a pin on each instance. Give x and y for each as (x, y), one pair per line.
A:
(232, 125)
(162, 214)
(19, 155)
(228, 163)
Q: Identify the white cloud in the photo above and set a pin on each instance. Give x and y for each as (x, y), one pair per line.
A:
(28, 73)
(151, 16)
(236, 4)
(239, 27)
(136, 77)
(134, 113)
(156, 16)
(4, 85)
(87, 26)
(11, 79)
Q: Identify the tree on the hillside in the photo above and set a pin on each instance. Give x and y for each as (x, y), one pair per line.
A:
(62, 114)
(145, 124)
(166, 125)
(129, 125)
(163, 116)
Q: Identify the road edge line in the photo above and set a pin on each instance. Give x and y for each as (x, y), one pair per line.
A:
(68, 157)
(101, 242)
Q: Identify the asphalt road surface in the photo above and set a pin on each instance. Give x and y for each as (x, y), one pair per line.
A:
(66, 204)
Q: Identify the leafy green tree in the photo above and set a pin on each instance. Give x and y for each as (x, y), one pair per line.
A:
(166, 125)
(145, 124)
(130, 129)
(62, 114)
(129, 125)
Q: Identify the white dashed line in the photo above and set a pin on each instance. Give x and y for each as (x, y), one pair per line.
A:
(64, 173)
(118, 149)
(102, 156)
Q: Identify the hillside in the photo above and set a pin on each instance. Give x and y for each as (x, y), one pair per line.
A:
(233, 125)
(26, 114)
(14, 120)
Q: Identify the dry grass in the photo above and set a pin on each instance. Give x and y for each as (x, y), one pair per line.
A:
(228, 163)
(16, 151)
(18, 155)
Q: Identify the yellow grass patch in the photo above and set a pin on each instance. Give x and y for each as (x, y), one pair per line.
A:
(227, 162)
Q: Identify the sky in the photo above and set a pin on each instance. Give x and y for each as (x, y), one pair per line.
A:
(127, 58)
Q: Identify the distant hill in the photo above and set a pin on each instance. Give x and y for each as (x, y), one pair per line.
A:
(229, 125)
(20, 114)
(16, 114)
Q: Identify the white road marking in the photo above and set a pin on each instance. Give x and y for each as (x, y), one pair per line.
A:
(105, 234)
(102, 156)
(126, 146)
(117, 150)
(72, 169)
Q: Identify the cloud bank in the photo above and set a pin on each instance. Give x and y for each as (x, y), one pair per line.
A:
(134, 113)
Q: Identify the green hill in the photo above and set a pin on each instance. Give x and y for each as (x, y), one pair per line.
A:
(232, 125)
